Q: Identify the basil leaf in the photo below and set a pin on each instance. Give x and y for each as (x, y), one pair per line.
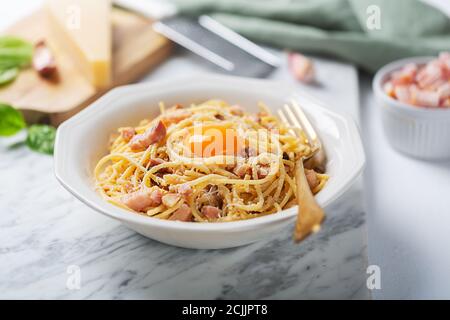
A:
(8, 75)
(11, 120)
(15, 52)
(41, 138)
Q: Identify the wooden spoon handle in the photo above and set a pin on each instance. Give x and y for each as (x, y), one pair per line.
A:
(310, 214)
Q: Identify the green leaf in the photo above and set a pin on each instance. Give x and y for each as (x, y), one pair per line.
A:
(41, 138)
(15, 52)
(11, 41)
(8, 75)
(11, 120)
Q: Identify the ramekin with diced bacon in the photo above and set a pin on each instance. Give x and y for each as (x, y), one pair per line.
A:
(422, 85)
(414, 96)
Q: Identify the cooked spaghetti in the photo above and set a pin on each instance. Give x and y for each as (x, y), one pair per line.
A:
(203, 163)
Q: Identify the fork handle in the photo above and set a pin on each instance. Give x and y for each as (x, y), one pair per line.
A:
(310, 214)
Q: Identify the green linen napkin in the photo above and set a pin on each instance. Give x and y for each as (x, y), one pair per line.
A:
(346, 29)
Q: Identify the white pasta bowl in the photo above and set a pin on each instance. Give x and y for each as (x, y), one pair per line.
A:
(83, 140)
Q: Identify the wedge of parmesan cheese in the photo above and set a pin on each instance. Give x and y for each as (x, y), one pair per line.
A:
(82, 28)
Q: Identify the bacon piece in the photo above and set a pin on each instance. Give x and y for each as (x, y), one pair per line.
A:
(43, 60)
(128, 133)
(301, 67)
(405, 76)
(444, 90)
(311, 176)
(170, 199)
(436, 85)
(210, 212)
(242, 169)
(402, 93)
(153, 135)
(152, 162)
(183, 213)
(185, 190)
(156, 197)
(425, 98)
(446, 103)
(429, 74)
(263, 171)
(428, 99)
(389, 89)
(444, 59)
(142, 199)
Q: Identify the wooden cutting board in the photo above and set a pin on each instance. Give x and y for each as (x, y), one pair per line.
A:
(136, 49)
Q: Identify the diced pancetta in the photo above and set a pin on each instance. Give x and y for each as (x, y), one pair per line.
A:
(429, 75)
(128, 133)
(424, 86)
(402, 93)
(444, 90)
(185, 189)
(142, 199)
(241, 169)
(424, 98)
(183, 213)
(153, 135)
(405, 75)
(263, 171)
(389, 89)
(211, 212)
(170, 199)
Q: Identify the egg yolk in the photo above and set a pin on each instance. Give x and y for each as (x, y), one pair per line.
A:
(210, 141)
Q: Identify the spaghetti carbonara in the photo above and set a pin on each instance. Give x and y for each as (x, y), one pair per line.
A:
(210, 162)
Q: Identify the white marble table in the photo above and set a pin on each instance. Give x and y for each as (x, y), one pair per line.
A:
(46, 233)
(408, 215)
(43, 230)
(408, 209)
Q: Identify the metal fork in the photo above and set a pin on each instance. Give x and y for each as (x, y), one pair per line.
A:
(310, 214)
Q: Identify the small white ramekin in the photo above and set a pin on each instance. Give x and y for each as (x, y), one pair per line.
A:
(415, 131)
